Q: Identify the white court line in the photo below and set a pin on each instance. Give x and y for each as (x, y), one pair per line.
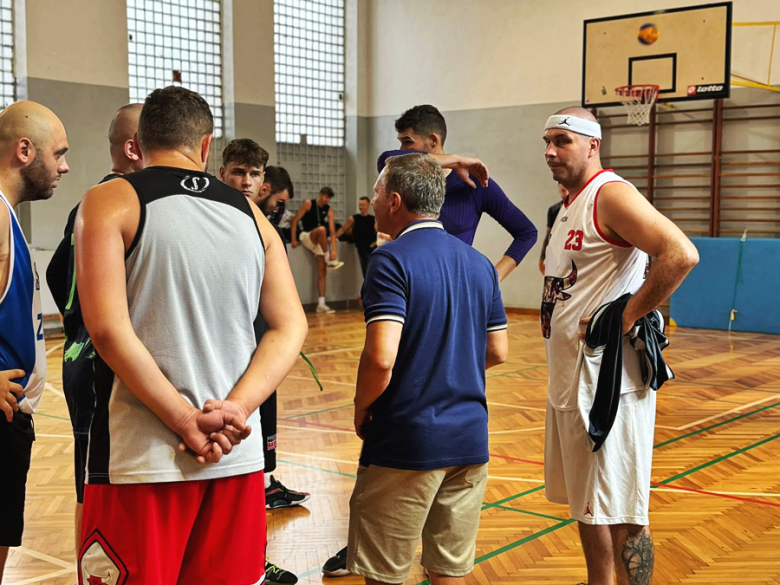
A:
(316, 457)
(708, 492)
(44, 557)
(51, 350)
(323, 380)
(525, 479)
(315, 429)
(36, 580)
(517, 406)
(515, 431)
(52, 389)
(732, 411)
(53, 436)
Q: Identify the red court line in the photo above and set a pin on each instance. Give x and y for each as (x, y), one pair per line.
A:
(516, 459)
(706, 493)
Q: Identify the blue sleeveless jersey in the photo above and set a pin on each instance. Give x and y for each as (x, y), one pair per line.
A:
(21, 320)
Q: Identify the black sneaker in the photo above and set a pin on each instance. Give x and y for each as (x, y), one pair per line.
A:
(277, 576)
(278, 496)
(336, 566)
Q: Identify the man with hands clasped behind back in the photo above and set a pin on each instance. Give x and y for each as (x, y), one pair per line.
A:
(173, 268)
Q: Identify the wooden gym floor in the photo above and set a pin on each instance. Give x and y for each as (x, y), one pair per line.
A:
(715, 507)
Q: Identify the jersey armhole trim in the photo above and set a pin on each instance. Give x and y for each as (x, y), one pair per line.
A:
(11, 253)
(604, 236)
(141, 219)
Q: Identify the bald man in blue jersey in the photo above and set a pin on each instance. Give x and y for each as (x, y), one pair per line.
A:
(33, 144)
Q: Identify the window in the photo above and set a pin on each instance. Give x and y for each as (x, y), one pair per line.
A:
(7, 83)
(176, 42)
(309, 59)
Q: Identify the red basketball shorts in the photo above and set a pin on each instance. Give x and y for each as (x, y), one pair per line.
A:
(210, 531)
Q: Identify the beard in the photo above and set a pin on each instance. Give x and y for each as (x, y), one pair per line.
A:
(36, 181)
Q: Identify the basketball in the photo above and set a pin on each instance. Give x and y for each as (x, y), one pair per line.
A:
(648, 34)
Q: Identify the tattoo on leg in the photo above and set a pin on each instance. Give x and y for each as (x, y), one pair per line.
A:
(638, 558)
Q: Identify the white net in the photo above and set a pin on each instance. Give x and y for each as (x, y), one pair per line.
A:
(638, 100)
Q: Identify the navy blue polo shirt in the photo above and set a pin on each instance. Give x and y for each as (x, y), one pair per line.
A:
(433, 413)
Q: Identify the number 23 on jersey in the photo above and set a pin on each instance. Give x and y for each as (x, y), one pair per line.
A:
(574, 241)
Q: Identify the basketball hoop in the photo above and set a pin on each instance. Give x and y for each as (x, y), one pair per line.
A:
(639, 100)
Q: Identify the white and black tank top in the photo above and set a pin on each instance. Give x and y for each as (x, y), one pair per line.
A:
(194, 274)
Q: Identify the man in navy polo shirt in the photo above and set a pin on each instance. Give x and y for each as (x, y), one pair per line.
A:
(435, 322)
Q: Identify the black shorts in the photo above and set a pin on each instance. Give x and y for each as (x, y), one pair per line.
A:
(17, 439)
(78, 384)
(268, 425)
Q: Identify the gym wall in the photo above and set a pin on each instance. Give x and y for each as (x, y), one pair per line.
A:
(497, 70)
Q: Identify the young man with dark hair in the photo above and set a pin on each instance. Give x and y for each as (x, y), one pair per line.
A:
(363, 227)
(33, 144)
(422, 415)
(78, 355)
(179, 375)
(423, 129)
(316, 217)
(243, 168)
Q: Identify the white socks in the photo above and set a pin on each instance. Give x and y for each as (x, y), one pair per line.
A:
(322, 301)
(267, 478)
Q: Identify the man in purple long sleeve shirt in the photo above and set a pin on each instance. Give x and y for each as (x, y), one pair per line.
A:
(423, 129)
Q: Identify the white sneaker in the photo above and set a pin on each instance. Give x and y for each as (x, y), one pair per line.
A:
(324, 309)
(334, 264)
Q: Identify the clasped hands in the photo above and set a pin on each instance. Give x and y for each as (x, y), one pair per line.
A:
(214, 431)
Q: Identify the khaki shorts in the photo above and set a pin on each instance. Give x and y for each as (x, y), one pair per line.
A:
(391, 509)
(305, 239)
(611, 486)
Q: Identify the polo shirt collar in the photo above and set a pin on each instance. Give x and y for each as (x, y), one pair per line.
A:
(421, 224)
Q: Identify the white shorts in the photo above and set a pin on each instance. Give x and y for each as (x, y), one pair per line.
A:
(611, 486)
(305, 239)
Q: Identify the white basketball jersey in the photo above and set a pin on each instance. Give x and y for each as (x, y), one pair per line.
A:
(584, 270)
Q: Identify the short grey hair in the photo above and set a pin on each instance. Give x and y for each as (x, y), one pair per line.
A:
(419, 180)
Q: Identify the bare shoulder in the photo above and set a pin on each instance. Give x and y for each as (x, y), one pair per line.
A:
(115, 195)
(109, 208)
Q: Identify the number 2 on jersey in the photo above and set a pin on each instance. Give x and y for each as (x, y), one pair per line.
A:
(577, 243)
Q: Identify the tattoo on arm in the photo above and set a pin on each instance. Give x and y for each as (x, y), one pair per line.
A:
(638, 558)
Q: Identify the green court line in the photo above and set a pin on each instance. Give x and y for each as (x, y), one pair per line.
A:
(305, 414)
(513, 545)
(719, 459)
(521, 511)
(310, 572)
(317, 468)
(516, 496)
(51, 416)
(716, 425)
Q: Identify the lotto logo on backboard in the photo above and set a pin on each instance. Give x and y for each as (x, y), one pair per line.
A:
(708, 89)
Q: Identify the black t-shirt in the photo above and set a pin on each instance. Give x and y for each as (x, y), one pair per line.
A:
(552, 213)
(363, 231)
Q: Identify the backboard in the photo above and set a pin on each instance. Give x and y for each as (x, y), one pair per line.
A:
(685, 51)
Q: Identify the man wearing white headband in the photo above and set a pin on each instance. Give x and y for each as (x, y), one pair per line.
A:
(598, 251)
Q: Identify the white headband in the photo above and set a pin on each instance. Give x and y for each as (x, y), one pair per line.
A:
(574, 124)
